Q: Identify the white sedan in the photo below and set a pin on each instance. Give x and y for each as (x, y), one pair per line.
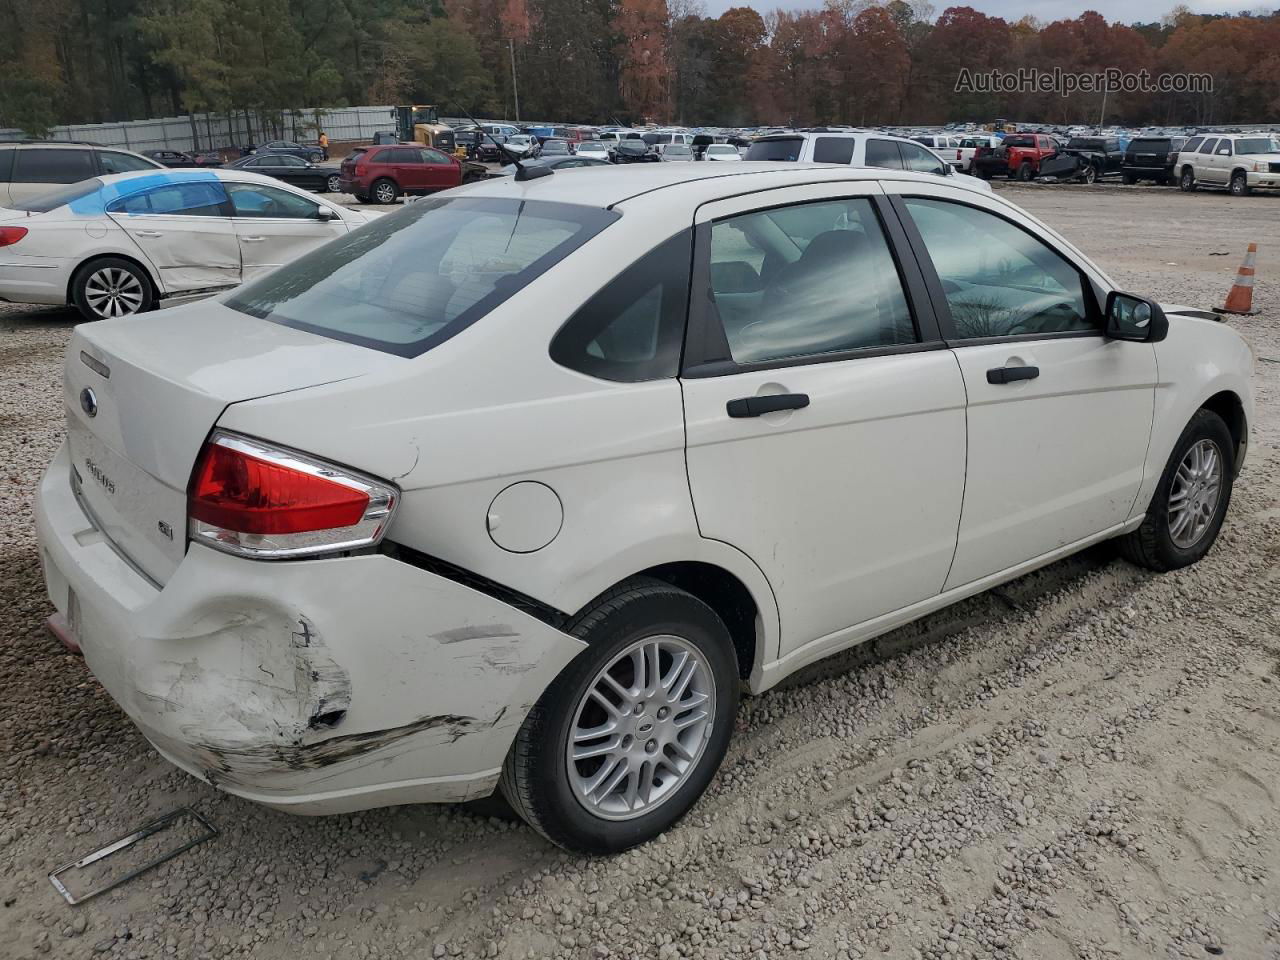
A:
(722, 153)
(521, 486)
(118, 245)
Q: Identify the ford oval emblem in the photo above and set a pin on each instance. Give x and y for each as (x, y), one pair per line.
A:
(89, 402)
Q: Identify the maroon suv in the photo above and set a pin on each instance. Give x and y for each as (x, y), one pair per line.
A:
(383, 173)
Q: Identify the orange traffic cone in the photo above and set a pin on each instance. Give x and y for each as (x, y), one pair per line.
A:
(1240, 299)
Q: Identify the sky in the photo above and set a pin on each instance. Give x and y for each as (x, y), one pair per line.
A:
(1131, 11)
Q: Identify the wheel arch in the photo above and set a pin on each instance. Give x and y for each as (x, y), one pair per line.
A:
(1230, 407)
(734, 587)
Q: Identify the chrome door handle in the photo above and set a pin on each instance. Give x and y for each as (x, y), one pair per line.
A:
(150, 233)
(252, 239)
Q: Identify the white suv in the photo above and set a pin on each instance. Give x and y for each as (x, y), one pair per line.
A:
(32, 168)
(523, 485)
(858, 148)
(1238, 161)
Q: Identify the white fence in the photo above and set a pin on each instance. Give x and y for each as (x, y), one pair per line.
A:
(205, 131)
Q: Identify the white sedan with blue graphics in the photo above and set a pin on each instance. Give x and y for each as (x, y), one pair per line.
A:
(119, 245)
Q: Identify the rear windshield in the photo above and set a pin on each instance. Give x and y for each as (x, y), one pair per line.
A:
(1019, 141)
(1150, 146)
(776, 148)
(58, 198)
(1257, 145)
(412, 279)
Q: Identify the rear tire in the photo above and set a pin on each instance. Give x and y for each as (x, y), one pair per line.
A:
(1024, 172)
(110, 287)
(1160, 543)
(385, 191)
(553, 793)
(1090, 174)
(1187, 181)
(1128, 179)
(334, 184)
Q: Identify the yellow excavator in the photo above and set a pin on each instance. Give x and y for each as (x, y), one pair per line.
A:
(421, 124)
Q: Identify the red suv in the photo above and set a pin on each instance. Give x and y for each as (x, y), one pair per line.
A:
(383, 173)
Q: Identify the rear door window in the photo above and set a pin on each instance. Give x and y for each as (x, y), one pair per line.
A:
(1193, 144)
(833, 150)
(1209, 145)
(40, 165)
(807, 280)
(412, 279)
(203, 198)
(6, 165)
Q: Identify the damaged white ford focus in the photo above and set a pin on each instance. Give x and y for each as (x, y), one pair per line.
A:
(519, 488)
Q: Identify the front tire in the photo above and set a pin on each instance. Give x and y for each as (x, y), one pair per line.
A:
(385, 191)
(1090, 174)
(1128, 179)
(1239, 185)
(626, 739)
(110, 287)
(1190, 501)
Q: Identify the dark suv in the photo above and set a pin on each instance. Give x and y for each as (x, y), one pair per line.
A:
(384, 174)
(1151, 158)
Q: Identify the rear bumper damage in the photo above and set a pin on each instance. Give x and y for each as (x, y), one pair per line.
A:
(317, 686)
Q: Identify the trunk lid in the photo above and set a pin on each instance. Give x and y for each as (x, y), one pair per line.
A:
(143, 393)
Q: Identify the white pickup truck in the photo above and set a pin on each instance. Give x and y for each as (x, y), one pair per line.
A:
(961, 157)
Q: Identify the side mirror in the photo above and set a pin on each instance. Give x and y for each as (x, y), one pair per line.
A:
(1135, 318)
(324, 213)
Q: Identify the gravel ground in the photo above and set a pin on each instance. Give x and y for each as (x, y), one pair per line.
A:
(1083, 764)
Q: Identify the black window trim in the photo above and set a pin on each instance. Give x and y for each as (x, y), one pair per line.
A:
(706, 348)
(942, 308)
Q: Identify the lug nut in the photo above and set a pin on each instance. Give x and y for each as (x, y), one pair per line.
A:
(651, 746)
(662, 713)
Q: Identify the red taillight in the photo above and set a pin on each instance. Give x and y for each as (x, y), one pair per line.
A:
(11, 235)
(236, 491)
(253, 499)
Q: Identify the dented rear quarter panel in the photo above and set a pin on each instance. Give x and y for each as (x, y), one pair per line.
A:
(287, 688)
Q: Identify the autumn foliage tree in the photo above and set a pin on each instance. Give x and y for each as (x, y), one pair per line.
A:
(843, 61)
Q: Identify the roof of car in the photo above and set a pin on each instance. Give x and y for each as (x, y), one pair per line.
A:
(609, 185)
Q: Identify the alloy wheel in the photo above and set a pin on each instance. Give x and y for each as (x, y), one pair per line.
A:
(335, 184)
(113, 292)
(1194, 494)
(641, 728)
(386, 193)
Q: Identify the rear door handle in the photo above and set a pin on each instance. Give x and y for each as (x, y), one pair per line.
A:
(756, 406)
(1012, 374)
(150, 233)
(252, 239)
